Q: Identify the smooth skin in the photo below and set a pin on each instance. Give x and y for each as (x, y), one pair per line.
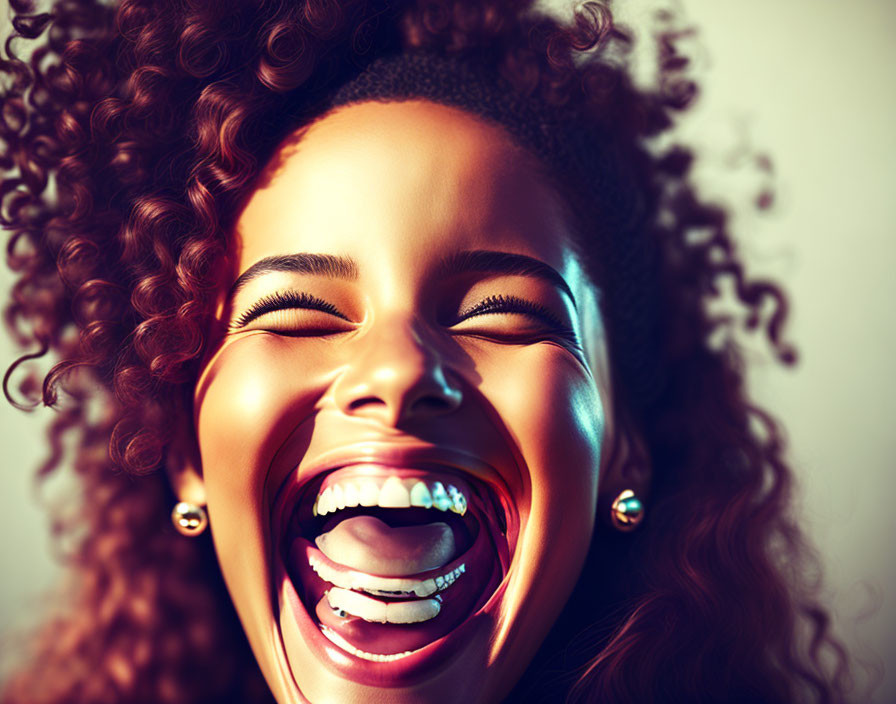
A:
(394, 190)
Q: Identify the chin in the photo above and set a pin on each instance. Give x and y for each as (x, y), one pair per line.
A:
(399, 576)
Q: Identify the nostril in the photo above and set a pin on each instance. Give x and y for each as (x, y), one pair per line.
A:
(431, 403)
(425, 405)
(367, 400)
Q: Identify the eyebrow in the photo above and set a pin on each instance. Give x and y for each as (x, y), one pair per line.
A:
(488, 261)
(478, 260)
(302, 263)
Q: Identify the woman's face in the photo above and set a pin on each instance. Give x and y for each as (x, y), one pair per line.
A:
(401, 419)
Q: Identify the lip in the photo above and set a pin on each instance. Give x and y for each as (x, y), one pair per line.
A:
(422, 663)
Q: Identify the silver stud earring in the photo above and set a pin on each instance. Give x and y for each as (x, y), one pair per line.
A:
(189, 519)
(627, 511)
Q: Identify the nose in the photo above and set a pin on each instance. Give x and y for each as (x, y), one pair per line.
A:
(396, 378)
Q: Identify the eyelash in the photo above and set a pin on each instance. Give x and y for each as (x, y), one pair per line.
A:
(512, 304)
(285, 300)
(492, 304)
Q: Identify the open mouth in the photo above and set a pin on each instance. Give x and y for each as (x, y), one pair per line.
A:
(387, 564)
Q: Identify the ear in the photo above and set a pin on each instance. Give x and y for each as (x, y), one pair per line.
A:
(183, 465)
(625, 464)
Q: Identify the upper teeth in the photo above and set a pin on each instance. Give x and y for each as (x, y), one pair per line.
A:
(390, 493)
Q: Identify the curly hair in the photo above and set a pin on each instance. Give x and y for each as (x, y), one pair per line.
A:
(131, 134)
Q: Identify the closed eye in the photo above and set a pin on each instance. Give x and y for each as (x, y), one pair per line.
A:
(510, 304)
(549, 324)
(285, 300)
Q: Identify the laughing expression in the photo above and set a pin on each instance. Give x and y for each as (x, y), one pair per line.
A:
(401, 419)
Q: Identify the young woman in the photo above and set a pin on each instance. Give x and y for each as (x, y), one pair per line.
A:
(397, 309)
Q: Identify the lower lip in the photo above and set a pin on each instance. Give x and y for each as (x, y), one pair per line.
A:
(407, 671)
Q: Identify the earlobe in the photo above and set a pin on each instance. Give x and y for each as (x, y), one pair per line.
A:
(624, 483)
(184, 467)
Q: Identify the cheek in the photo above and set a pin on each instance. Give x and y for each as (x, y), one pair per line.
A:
(252, 395)
(562, 446)
(552, 408)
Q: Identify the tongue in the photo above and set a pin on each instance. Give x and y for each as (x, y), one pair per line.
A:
(367, 544)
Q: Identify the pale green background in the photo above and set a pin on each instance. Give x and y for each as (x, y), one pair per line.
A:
(811, 82)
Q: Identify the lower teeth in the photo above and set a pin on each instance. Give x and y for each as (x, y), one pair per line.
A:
(375, 611)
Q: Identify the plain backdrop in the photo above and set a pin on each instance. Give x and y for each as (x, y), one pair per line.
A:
(809, 82)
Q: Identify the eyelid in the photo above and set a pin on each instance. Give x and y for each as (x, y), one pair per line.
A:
(511, 304)
(284, 300)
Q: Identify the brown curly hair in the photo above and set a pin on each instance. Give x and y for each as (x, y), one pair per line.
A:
(131, 134)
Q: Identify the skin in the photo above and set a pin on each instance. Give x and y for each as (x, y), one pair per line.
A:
(397, 187)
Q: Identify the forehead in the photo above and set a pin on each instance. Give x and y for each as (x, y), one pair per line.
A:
(402, 175)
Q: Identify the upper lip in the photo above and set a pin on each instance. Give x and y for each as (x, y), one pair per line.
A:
(392, 454)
